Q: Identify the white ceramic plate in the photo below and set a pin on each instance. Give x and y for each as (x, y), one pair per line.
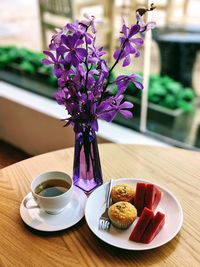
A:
(168, 205)
(73, 213)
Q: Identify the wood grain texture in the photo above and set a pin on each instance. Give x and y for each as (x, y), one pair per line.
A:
(176, 169)
(10, 154)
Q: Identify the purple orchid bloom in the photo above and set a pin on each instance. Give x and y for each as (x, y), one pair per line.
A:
(144, 26)
(77, 27)
(73, 26)
(126, 44)
(122, 82)
(95, 52)
(122, 107)
(56, 40)
(105, 110)
(89, 21)
(109, 109)
(95, 58)
(79, 76)
(62, 95)
(57, 61)
(71, 50)
(83, 73)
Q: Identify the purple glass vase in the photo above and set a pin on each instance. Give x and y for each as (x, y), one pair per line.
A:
(87, 173)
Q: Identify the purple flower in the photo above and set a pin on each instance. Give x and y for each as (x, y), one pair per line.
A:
(70, 49)
(56, 40)
(57, 61)
(126, 44)
(122, 107)
(95, 58)
(89, 21)
(61, 96)
(83, 73)
(73, 26)
(80, 77)
(122, 82)
(108, 110)
(80, 28)
(105, 110)
(95, 53)
(144, 26)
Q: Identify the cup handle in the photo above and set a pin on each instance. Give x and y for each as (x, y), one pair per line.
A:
(27, 199)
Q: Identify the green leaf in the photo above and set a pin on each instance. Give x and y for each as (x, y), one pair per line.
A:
(187, 94)
(27, 67)
(169, 102)
(184, 105)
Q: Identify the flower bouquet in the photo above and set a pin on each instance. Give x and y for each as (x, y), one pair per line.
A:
(83, 77)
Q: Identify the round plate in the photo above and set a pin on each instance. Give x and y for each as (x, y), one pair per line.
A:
(40, 220)
(168, 205)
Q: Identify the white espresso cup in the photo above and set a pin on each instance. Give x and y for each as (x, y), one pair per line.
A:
(52, 203)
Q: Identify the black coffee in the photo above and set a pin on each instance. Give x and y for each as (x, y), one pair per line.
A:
(52, 188)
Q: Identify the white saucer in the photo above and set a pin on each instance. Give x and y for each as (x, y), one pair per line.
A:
(40, 220)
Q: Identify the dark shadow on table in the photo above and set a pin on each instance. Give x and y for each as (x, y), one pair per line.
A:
(138, 257)
(73, 228)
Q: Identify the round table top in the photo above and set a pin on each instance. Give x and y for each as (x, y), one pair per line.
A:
(177, 170)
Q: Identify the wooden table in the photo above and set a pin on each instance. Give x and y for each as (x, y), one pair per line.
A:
(177, 170)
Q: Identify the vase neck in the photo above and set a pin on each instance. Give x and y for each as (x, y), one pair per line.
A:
(83, 128)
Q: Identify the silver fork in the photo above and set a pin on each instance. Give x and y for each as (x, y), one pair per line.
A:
(104, 221)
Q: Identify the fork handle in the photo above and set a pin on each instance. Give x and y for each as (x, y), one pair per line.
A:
(108, 193)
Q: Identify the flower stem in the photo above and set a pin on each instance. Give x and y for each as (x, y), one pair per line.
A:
(116, 62)
(86, 64)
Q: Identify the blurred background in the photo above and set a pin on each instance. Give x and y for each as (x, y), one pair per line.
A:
(30, 118)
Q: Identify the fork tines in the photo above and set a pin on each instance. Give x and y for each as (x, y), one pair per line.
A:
(104, 221)
(104, 224)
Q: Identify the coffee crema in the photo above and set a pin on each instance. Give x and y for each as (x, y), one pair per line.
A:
(52, 188)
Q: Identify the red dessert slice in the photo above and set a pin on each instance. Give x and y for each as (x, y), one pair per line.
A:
(153, 228)
(150, 196)
(146, 216)
(157, 198)
(139, 199)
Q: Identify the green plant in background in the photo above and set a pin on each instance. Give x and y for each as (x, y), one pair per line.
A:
(6, 56)
(163, 90)
(166, 92)
(26, 62)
